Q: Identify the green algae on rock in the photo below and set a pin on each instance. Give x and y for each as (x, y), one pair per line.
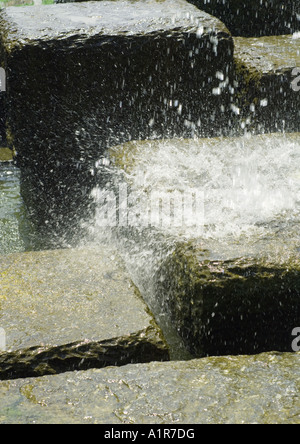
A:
(72, 309)
(262, 389)
(235, 306)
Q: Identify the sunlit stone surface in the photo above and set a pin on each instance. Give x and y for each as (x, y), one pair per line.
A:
(72, 309)
(259, 389)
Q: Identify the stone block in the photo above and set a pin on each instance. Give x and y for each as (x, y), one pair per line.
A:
(83, 77)
(268, 76)
(72, 309)
(259, 389)
(228, 277)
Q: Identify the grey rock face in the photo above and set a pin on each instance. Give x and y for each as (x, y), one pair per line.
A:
(268, 85)
(259, 389)
(67, 310)
(230, 279)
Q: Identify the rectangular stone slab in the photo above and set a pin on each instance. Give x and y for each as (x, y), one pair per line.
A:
(69, 309)
(234, 306)
(94, 83)
(260, 389)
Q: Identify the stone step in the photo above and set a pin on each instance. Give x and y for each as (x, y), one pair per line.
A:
(268, 74)
(72, 309)
(260, 389)
(228, 276)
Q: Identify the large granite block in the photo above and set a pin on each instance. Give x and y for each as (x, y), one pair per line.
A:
(260, 389)
(72, 309)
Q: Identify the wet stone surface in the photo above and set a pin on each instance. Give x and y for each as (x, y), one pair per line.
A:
(78, 88)
(260, 389)
(233, 306)
(11, 209)
(268, 88)
(72, 309)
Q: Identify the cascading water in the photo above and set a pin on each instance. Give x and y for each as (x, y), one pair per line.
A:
(249, 188)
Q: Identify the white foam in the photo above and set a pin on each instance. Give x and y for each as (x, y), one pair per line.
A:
(246, 182)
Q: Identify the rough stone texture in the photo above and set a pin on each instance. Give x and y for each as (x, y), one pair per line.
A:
(254, 18)
(265, 76)
(80, 79)
(260, 389)
(72, 309)
(226, 293)
(232, 306)
(11, 207)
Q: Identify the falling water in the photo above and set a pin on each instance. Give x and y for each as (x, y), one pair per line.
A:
(250, 188)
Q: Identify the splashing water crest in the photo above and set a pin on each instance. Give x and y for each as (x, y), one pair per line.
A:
(246, 184)
(251, 200)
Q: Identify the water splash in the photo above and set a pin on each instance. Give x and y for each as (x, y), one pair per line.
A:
(246, 182)
(251, 189)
